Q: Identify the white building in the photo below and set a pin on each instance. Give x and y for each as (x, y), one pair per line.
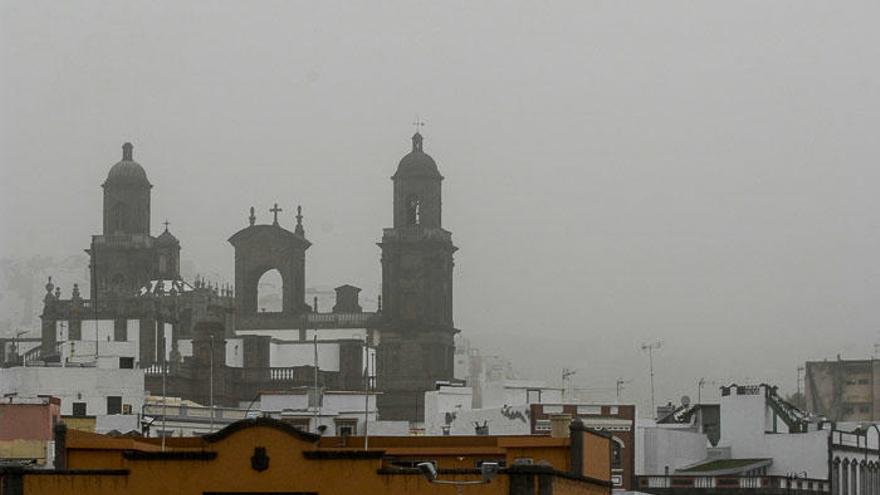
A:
(100, 389)
(766, 444)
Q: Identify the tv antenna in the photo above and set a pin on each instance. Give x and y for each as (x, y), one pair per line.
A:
(651, 348)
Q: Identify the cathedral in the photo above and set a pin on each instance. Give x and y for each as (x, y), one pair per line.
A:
(186, 334)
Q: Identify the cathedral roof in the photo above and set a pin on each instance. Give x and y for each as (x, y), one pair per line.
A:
(127, 170)
(167, 238)
(417, 163)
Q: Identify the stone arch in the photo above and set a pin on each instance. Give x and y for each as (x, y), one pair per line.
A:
(617, 446)
(260, 249)
(270, 291)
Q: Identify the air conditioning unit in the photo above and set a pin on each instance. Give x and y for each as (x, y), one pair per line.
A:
(523, 461)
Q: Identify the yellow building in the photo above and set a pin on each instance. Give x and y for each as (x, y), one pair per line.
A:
(269, 456)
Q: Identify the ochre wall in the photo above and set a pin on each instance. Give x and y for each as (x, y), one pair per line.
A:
(597, 456)
(289, 470)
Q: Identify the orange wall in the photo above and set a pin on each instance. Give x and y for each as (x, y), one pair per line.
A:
(289, 470)
(597, 456)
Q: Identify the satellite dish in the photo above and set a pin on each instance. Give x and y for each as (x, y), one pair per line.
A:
(685, 400)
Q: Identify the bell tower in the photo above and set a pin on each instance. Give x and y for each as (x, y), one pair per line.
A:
(122, 257)
(416, 345)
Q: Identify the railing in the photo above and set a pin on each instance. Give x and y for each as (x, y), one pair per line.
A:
(340, 318)
(679, 482)
(290, 374)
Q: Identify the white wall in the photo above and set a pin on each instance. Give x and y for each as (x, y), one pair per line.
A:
(673, 447)
(73, 384)
(287, 354)
(506, 420)
(744, 422)
(122, 423)
(234, 352)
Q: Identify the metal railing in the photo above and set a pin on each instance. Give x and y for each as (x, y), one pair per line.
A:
(675, 481)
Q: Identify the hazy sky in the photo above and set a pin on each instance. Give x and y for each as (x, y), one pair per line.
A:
(704, 173)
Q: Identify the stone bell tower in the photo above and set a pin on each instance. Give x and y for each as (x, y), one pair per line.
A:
(416, 346)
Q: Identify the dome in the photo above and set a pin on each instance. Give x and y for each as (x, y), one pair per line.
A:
(127, 170)
(417, 163)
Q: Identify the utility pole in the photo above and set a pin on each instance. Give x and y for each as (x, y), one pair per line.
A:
(366, 392)
(650, 348)
(164, 396)
(566, 378)
(210, 383)
(317, 398)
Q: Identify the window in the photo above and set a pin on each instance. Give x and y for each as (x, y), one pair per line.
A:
(126, 363)
(413, 210)
(114, 404)
(346, 427)
(79, 409)
(616, 452)
(533, 396)
(301, 424)
(542, 425)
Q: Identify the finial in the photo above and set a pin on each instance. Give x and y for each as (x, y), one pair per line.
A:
(417, 137)
(316, 304)
(275, 209)
(299, 221)
(127, 152)
(253, 218)
(166, 223)
(380, 304)
(58, 292)
(76, 295)
(49, 285)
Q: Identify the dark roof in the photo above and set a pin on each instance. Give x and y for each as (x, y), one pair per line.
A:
(726, 466)
(264, 422)
(127, 171)
(167, 238)
(417, 163)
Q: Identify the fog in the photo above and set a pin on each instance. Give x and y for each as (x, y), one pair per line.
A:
(703, 173)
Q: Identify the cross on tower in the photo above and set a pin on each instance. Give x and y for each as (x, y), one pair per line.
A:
(166, 223)
(419, 123)
(275, 210)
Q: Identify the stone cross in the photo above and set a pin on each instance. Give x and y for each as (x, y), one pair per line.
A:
(275, 210)
(166, 223)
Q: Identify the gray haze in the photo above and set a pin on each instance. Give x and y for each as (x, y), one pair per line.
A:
(704, 173)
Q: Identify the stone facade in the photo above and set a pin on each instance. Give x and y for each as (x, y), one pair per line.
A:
(135, 276)
(416, 348)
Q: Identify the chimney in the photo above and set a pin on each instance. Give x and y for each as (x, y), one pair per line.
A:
(347, 299)
(559, 425)
(60, 432)
(576, 454)
(481, 429)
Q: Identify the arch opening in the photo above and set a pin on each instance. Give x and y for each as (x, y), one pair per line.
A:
(413, 210)
(270, 292)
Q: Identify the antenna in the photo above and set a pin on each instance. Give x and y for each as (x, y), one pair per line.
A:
(619, 386)
(650, 348)
(566, 377)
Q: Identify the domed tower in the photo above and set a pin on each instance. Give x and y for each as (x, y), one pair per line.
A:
(122, 259)
(416, 345)
(127, 197)
(167, 256)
